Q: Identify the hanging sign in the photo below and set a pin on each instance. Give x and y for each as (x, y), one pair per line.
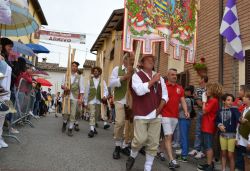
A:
(61, 36)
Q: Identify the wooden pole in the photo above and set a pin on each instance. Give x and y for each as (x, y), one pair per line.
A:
(102, 87)
(137, 54)
(55, 102)
(71, 58)
(137, 58)
(73, 55)
(66, 97)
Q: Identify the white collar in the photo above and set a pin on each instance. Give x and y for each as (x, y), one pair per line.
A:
(96, 78)
(123, 67)
(246, 110)
(153, 73)
(74, 74)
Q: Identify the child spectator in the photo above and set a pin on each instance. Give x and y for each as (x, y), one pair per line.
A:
(238, 103)
(197, 151)
(184, 123)
(243, 133)
(38, 98)
(27, 76)
(227, 121)
(208, 129)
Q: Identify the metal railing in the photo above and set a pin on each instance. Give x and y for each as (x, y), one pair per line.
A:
(24, 103)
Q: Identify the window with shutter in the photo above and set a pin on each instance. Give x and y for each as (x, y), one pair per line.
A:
(183, 79)
(247, 61)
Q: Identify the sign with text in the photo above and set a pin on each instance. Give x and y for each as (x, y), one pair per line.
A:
(61, 36)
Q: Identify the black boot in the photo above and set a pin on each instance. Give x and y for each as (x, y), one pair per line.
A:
(130, 162)
(126, 151)
(106, 126)
(70, 132)
(116, 153)
(77, 127)
(95, 132)
(64, 127)
(142, 151)
(91, 134)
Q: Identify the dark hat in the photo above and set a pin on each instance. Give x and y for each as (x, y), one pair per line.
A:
(76, 63)
(5, 41)
(142, 57)
(98, 68)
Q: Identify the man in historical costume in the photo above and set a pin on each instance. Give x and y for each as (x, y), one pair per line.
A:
(75, 93)
(129, 118)
(119, 81)
(149, 96)
(93, 100)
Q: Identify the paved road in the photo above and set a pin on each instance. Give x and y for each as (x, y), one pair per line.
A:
(45, 148)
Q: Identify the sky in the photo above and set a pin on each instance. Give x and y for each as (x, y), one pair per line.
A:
(80, 16)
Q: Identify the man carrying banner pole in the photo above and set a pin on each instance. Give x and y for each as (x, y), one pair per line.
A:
(93, 100)
(119, 80)
(73, 96)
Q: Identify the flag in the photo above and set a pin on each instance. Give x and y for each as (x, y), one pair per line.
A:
(5, 12)
(230, 30)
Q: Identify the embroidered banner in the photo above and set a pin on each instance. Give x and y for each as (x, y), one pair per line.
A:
(169, 21)
(230, 29)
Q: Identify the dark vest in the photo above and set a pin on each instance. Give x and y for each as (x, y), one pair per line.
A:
(143, 105)
(93, 92)
(244, 128)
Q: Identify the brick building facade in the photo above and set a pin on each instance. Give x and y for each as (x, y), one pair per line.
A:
(234, 72)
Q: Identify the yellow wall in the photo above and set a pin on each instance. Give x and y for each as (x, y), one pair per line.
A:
(242, 69)
(113, 41)
(173, 63)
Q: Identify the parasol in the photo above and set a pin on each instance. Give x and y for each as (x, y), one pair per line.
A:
(21, 22)
(37, 48)
(43, 82)
(23, 49)
(39, 72)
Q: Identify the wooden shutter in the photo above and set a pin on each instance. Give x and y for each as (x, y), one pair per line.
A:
(247, 61)
(183, 79)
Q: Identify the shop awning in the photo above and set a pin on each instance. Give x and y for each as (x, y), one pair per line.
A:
(37, 48)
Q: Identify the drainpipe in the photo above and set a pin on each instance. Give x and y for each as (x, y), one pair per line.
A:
(158, 57)
(234, 76)
(221, 47)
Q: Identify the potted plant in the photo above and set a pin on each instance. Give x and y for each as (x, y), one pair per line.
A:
(201, 67)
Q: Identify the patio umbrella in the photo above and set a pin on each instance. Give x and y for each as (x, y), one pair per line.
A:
(22, 23)
(39, 72)
(23, 49)
(44, 82)
(37, 48)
